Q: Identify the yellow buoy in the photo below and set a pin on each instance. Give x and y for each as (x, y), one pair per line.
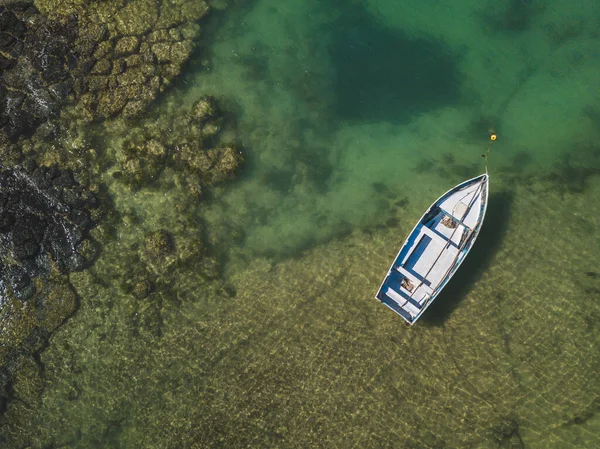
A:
(493, 138)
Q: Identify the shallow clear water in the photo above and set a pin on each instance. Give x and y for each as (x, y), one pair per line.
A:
(354, 117)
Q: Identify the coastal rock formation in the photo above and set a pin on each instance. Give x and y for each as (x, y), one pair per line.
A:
(45, 217)
(134, 49)
(38, 66)
(111, 57)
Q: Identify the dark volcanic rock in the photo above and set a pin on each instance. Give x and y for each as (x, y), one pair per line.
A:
(36, 61)
(44, 218)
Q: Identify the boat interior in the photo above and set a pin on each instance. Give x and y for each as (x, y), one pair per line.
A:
(435, 246)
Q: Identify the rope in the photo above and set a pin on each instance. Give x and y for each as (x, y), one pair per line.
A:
(493, 138)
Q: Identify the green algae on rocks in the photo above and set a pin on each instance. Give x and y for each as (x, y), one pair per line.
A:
(110, 57)
(185, 139)
(135, 49)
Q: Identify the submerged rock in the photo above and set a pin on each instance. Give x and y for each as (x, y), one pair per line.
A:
(141, 289)
(38, 62)
(188, 140)
(227, 160)
(159, 243)
(204, 109)
(28, 383)
(142, 47)
(111, 57)
(213, 165)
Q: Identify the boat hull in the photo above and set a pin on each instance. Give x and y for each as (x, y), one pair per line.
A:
(435, 249)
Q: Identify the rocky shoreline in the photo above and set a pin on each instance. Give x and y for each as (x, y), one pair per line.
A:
(111, 58)
(67, 69)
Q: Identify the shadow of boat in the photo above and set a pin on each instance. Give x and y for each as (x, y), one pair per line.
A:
(477, 261)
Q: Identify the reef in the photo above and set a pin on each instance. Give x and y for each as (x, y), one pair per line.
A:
(65, 68)
(189, 142)
(134, 49)
(109, 57)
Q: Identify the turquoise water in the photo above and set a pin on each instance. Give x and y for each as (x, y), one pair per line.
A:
(353, 117)
(343, 104)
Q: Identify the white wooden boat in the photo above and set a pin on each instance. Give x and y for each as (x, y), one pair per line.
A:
(435, 249)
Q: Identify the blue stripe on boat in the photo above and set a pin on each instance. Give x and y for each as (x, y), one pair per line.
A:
(394, 306)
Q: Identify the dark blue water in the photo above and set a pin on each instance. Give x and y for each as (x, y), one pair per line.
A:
(381, 74)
